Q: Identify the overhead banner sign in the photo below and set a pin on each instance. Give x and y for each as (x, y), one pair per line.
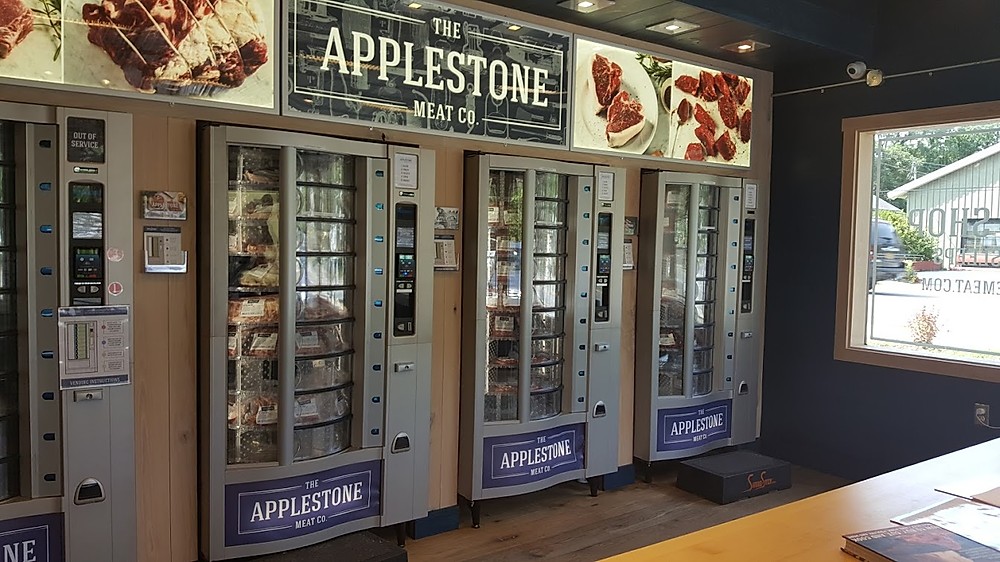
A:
(428, 67)
(633, 103)
(215, 51)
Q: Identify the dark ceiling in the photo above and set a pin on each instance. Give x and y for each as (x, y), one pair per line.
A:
(811, 41)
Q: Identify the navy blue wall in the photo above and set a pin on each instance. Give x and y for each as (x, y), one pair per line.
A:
(848, 419)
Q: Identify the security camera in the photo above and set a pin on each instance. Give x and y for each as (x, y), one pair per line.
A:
(856, 70)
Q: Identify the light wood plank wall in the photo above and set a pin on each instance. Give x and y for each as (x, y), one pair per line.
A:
(166, 362)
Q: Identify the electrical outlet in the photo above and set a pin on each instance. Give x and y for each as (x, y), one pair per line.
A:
(982, 414)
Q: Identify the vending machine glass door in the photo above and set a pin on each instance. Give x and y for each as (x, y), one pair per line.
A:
(548, 283)
(9, 462)
(503, 294)
(673, 290)
(324, 302)
(253, 305)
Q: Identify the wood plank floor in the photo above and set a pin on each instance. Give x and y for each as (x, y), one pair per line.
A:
(565, 523)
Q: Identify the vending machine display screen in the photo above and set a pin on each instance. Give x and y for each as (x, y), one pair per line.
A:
(405, 276)
(86, 193)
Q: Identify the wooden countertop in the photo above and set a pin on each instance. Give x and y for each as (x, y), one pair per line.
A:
(812, 529)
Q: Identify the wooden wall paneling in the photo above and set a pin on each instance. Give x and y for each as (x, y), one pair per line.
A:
(183, 369)
(152, 358)
(448, 336)
(629, 276)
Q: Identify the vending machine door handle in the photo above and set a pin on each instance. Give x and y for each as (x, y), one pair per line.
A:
(601, 347)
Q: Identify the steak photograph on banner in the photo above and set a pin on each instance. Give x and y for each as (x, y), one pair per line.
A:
(217, 51)
(628, 102)
(429, 67)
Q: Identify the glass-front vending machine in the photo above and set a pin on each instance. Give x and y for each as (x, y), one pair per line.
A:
(67, 427)
(317, 299)
(698, 323)
(541, 359)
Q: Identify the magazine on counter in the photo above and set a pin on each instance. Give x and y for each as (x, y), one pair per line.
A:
(922, 542)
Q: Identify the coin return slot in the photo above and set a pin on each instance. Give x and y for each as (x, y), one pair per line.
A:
(89, 491)
(401, 443)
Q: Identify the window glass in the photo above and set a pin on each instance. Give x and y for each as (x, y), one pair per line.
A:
(933, 274)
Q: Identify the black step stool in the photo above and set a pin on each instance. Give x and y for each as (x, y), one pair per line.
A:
(727, 477)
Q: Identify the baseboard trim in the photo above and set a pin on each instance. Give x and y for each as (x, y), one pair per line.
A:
(624, 476)
(437, 522)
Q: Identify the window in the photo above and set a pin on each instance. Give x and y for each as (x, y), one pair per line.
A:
(919, 284)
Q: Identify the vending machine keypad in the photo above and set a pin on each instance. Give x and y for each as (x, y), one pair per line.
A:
(86, 243)
(603, 277)
(405, 276)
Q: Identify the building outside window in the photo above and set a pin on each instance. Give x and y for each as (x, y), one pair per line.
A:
(920, 284)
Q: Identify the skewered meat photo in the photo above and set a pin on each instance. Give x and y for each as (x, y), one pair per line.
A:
(16, 22)
(178, 47)
(31, 39)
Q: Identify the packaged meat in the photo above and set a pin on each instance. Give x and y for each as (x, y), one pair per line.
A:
(254, 310)
(252, 409)
(323, 340)
(314, 306)
(186, 47)
(262, 275)
(261, 343)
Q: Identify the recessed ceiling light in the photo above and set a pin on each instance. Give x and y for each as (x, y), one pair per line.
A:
(745, 46)
(514, 27)
(415, 5)
(673, 27)
(586, 6)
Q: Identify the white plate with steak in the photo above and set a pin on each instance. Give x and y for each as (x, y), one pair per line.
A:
(615, 105)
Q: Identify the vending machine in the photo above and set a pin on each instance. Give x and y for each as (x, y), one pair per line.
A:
(699, 314)
(316, 323)
(67, 463)
(542, 321)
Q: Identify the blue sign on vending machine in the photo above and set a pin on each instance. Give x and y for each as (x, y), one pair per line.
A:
(291, 507)
(512, 460)
(693, 426)
(38, 538)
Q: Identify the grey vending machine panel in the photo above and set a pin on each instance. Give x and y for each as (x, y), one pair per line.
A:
(98, 416)
(539, 375)
(326, 241)
(696, 371)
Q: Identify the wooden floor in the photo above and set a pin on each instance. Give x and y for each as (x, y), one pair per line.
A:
(565, 523)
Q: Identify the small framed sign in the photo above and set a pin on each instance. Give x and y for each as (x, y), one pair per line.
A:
(631, 226)
(164, 205)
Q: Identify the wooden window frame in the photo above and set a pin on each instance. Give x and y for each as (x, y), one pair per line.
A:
(852, 279)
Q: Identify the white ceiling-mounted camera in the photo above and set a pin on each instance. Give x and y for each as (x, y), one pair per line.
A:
(856, 70)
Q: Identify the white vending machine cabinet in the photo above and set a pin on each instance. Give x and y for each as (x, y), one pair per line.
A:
(317, 296)
(698, 316)
(542, 317)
